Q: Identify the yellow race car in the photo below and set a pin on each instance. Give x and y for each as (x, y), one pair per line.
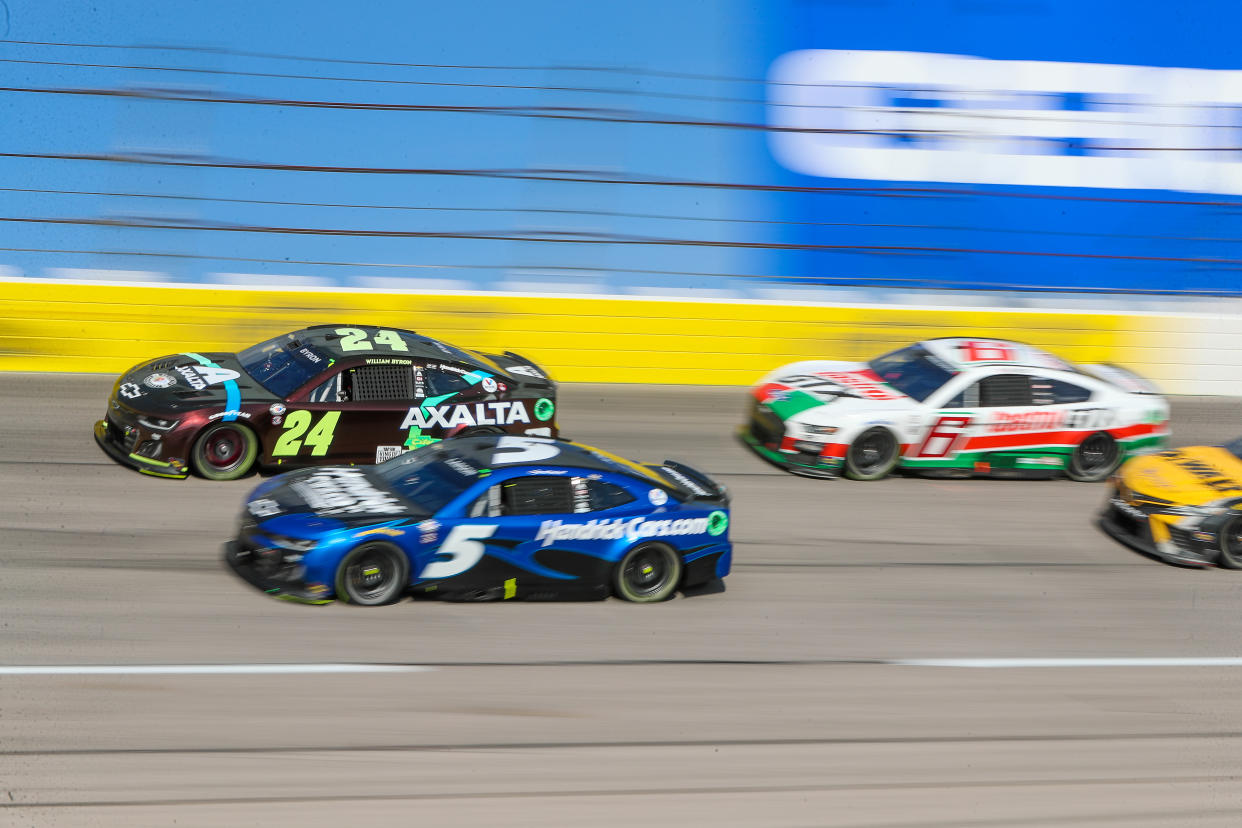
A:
(1184, 506)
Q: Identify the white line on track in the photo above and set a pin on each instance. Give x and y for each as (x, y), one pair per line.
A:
(1176, 661)
(202, 669)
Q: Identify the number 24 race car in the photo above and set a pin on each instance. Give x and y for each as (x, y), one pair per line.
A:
(954, 406)
(326, 394)
(482, 518)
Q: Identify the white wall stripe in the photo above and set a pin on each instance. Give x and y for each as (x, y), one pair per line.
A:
(202, 669)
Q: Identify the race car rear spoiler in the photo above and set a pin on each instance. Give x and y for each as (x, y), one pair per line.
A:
(692, 481)
(1124, 379)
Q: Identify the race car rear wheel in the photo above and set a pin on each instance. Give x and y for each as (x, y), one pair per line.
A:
(224, 451)
(1231, 545)
(1094, 459)
(647, 573)
(872, 455)
(372, 575)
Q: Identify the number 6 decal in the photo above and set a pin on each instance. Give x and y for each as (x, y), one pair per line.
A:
(943, 437)
(463, 545)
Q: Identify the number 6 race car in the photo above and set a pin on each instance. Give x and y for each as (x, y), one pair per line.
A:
(328, 393)
(954, 407)
(479, 518)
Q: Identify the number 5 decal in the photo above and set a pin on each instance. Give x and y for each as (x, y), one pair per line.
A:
(462, 544)
(943, 437)
(524, 450)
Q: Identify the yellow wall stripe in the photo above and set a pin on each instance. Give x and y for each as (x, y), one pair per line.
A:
(56, 326)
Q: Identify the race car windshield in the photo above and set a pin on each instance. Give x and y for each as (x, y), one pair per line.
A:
(283, 364)
(429, 478)
(1235, 448)
(912, 371)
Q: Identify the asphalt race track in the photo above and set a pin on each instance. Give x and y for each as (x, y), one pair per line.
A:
(779, 700)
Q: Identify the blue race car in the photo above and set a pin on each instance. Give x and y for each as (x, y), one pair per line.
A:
(490, 517)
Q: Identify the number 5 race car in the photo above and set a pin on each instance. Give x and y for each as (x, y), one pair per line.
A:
(479, 518)
(1184, 506)
(954, 407)
(329, 393)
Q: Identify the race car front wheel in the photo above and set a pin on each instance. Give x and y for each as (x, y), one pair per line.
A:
(372, 575)
(1094, 459)
(872, 455)
(224, 451)
(647, 573)
(1231, 545)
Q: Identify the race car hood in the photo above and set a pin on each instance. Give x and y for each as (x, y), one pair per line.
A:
(1186, 477)
(326, 497)
(807, 390)
(183, 382)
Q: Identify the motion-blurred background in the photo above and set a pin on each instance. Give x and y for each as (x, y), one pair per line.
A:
(735, 183)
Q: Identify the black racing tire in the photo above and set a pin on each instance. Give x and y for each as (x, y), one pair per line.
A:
(648, 573)
(479, 431)
(1094, 459)
(1231, 544)
(872, 455)
(224, 451)
(372, 575)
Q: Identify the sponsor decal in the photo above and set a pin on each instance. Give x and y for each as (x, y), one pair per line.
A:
(417, 439)
(231, 414)
(200, 376)
(129, 391)
(380, 530)
(1038, 461)
(427, 531)
(263, 507)
(386, 453)
(345, 491)
(1083, 418)
(489, 384)
(1007, 421)
(470, 414)
(630, 529)
(717, 522)
(684, 481)
(544, 409)
(160, 380)
(548, 471)
(277, 410)
(538, 432)
(526, 371)
(658, 497)
(1209, 475)
(461, 466)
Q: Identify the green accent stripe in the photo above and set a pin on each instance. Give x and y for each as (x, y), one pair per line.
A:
(142, 459)
(795, 403)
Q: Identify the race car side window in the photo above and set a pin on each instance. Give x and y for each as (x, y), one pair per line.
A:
(536, 495)
(601, 495)
(1048, 391)
(1005, 390)
(969, 398)
(334, 389)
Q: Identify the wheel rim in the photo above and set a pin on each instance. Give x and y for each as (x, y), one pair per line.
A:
(871, 451)
(225, 449)
(646, 572)
(370, 576)
(1096, 453)
(1231, 540)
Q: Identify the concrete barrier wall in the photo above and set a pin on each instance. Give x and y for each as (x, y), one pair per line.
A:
(57, 326)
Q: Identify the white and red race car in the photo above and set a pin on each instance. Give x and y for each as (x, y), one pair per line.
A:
(957, 407)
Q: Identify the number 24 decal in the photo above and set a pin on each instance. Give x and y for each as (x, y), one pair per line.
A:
(319, 439)
(354, 339)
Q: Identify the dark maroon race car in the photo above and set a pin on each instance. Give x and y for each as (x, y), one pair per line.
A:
(327, 394)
